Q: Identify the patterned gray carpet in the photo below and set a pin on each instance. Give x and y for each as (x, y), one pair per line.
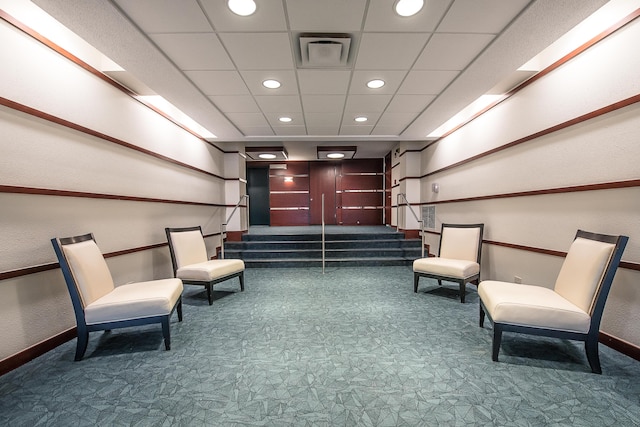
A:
(355, 347)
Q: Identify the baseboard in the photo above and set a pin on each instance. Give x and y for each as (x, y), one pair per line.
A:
(619, 345)
(27, 355)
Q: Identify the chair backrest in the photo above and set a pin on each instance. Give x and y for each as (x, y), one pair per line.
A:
(84, 268)
(588, 270)
(186, 246)
(461, 241)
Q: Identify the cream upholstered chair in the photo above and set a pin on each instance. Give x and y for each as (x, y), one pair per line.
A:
(458, 257)
(191, 264)
(100, 305)
(572, 309)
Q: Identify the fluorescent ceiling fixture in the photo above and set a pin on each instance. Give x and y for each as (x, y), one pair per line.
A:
(285, 119)
(603, 18)
(267, 156)
(408, 7)
(375, 84)
(271, 84)
(335, 155)
(242, 7)
(175, 114)
(361, 119)
(288, 179)
(465, 115)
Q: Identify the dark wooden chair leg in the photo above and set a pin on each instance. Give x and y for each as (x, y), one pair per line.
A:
(463, 291)
(497, 339)
(83, 340)
(166, 333)
(241, 277)
(591, 347)
(416, 277)
(209, 287)
(179, 310)
(481, 316)
(439, 282)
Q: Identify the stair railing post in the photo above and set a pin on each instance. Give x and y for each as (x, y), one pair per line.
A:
(223, 226)
(420, 221)
(323, 258)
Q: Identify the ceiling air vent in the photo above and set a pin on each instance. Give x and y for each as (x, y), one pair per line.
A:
(324, 50)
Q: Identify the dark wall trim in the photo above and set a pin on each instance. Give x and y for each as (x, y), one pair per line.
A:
(585, 117)
(67, 193)
(27, 355)
(52, 266)
(558, 190)
(65, 123)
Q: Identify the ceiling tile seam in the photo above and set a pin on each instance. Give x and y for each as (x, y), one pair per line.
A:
(180, 71)
(236, 69)
(353, 67)
(292, 45)
(460, 72)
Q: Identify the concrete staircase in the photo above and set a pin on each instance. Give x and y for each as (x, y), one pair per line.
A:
(341, 249)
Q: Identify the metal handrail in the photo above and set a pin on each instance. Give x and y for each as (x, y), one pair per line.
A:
(223, 226)
(323, 233)
(421, 222)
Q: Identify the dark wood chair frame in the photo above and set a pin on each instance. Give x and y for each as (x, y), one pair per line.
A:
(78, 308)
(591, 337)
(207, 284)
(461, 282)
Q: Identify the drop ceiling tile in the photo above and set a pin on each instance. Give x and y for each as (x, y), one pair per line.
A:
(356, 130)
(218, 82)
(297, 119)
(387, 130)
(290, 130)
(173, 17)
(401, 120)
(287, 79)
(348, 118)
(194, 51)
(326, 15)
(323, 130)
(259, 51)
(323, 119)
(389, 51)
(248, 119)
(323, 103)
(426, 82)
(235, 103)
(452, 51)
(381, 17)
(269, 16)
(323, 82)
(481, 16)
(279, 104)
(256, 131)
(409, 103)
(360, 79)
(369, 103)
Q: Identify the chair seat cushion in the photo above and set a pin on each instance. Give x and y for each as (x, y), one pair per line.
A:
(528, 305)
(446, 267)
(135, 301)
(210, 270)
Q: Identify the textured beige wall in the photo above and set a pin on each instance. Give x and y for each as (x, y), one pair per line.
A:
(603, 149)
(41, 154)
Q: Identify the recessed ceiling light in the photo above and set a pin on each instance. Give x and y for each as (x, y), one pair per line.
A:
(375, 84)
(242, 7)
(335, 155)
(408, 7)
(285, 119)
(271, 84)
(268, 156)
(361, 119)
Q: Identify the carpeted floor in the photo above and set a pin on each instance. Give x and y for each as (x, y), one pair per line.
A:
(353, 347)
